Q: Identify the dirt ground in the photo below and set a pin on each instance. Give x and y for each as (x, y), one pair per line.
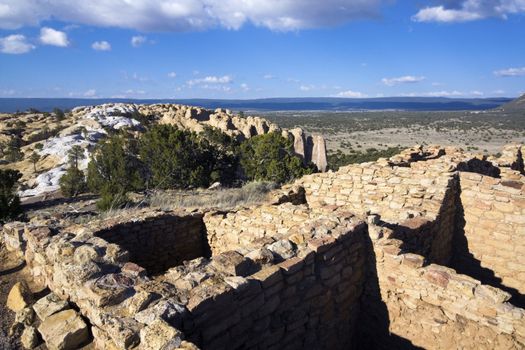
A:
(407, 137)
(10, 273)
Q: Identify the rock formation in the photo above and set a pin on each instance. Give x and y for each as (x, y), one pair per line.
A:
(85, 126)
(311, 149)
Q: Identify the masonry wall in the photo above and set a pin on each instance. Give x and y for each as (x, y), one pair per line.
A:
(392, 192)
(160, 242)
(306, 302)
(491, 241)
(255, 227)
(410, 303)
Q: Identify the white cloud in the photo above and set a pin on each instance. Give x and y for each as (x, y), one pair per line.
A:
(15, 44)
(184, 15)
(268, 76)
(306, 87)
(8, 92)
(172, 75)
(245, 87)
(498, 92)
(226, 79)
(351, 94)
(138, 40)
(476, 93)
(469, 10)
(407, 79)
(50, 36)
(101, 46)
(90, 93)
(442, 93)
(510, 72)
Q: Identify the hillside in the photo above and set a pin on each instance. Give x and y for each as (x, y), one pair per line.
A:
(51, 137)
(517, 105)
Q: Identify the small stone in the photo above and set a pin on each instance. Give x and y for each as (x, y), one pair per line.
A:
(64, 331)
(19, 297)
(160, 335)
(283, 249)
(25, 316)
(30, 338)
(168, 311)
(49, 305)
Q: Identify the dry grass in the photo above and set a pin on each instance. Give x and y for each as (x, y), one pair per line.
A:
(250, 194)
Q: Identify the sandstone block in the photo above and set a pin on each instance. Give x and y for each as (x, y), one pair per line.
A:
(159, 335)
(49, 305)
(64, 331)
(30, 338)
(19, 297)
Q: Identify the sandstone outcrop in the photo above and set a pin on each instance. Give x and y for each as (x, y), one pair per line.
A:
(310, 148)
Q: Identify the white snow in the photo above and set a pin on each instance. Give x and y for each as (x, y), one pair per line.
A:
(106, 115)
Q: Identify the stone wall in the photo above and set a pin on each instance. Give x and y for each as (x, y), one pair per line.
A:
(159, 242)
(491, 241)
(310, 301)
(410, 303)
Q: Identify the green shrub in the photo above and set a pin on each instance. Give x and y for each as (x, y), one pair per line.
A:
(73, 182)
(9, 200)
(181, 159)
(113, 171)
(271, 157)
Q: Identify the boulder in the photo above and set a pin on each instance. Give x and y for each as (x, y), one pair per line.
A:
(160, 335)
(49, 305)
(19, 297)
(64, 330)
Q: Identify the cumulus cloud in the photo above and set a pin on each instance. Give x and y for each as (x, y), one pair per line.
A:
(268, 76)
(407, 79)
(50, 36)
(510, 72)
(138, 40)
(184, 15)
(469, 10)
(172, 75)
(351, 94)
(101, 46)
(15, 44)
(211, 80)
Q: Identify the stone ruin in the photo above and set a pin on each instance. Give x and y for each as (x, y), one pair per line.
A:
(422, 250)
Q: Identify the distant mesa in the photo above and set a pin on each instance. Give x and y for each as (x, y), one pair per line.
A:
(517, 105)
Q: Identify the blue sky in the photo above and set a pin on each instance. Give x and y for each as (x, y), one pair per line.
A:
(256, 48)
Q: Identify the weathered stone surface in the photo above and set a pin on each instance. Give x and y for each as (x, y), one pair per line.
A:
(19, 297)
(30, 338)
(160, 335)
(166, 310)
(25, 316)
(64, 331)
(49, 305)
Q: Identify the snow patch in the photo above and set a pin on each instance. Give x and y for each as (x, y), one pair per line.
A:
(110, 115)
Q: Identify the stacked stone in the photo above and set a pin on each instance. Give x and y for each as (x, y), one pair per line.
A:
(494, 226)
(309, 300)
(435, 307)
(159, 242)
